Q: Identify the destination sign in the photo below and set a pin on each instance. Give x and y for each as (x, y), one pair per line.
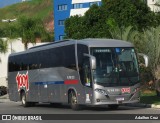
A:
(102, 50)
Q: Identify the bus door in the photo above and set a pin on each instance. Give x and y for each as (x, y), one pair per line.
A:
(87, 80)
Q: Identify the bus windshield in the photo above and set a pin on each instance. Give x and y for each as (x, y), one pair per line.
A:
(115, 66)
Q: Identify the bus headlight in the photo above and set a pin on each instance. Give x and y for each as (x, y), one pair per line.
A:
(101, 91)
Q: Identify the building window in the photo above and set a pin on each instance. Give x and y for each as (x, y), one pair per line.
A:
(61, 22)
(61, 37)
(77, 5)
(62, 7)
(92, 3)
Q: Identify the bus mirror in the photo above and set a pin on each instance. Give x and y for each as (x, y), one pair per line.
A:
(145, 57)
(92, 61)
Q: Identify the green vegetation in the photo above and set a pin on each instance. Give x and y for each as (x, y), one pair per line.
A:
(32, 18)
(149, 97)
(126, 20)
(42, 9)
(3, 46)
(30, 29)
(111, 15)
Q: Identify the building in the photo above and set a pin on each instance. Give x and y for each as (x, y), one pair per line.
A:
(64, 9)
(15, 46)
(154, 5)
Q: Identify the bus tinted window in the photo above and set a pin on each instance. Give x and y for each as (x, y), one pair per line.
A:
(81, 49)
(54, 57)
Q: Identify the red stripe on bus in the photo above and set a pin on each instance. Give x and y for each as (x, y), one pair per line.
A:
(71, 82)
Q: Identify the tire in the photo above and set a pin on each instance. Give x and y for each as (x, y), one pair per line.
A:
(73, 101)
(113, 106)
(24, 101)
(57, 105)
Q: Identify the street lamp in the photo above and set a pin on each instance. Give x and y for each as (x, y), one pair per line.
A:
(9, 21)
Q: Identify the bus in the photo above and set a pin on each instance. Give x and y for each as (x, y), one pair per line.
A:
(77, 72)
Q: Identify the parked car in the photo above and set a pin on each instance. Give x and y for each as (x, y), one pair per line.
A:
(3, 90)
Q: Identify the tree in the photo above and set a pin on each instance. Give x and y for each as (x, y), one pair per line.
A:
(30, 29)
(129, 13)
(125, 13)
(1, 32)
(94, 20)
(121, 33)
(75, 27)
(91, 25)
(3, 46)
(152, 44)
(127, 34)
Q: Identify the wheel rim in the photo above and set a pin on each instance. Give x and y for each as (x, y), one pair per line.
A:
(73, 99)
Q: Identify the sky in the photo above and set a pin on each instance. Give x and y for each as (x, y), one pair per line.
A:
(4, 3)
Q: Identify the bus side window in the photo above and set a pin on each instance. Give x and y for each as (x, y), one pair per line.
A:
(86, 72)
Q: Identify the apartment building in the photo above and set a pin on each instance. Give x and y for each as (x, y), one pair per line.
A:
(63, 9)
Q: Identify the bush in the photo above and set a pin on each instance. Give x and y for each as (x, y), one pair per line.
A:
(146, 78)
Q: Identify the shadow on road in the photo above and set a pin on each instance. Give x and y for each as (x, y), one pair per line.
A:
(91, 108)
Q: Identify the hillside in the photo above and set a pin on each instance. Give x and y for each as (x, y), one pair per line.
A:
(42, 9)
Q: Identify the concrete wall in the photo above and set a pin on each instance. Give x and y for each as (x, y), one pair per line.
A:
(153, 6)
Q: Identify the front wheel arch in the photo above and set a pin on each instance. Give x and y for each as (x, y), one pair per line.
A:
(72, 100)
(71, 90)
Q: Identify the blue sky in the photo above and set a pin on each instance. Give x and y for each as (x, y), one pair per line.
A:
(4, 3)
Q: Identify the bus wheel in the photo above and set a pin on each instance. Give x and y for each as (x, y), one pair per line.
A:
(73, 101)
(24, 102)
(113, 106)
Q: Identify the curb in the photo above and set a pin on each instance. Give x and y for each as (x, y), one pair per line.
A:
(155, 106)
(139, 105)
(143, 105)
(4, 98)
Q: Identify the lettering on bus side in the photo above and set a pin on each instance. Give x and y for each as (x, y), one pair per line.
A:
(22, 81)
(125, 90)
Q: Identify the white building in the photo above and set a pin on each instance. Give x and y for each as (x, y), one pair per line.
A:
(16, 46)
(154, 5)
(63, 9)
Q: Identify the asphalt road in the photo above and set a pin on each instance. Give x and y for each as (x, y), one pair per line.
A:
(16, 108)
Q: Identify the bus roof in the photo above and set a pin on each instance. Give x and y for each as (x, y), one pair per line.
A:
(105, 43)
(90, 42)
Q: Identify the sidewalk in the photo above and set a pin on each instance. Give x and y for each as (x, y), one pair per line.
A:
(4, 98)
(143, 105)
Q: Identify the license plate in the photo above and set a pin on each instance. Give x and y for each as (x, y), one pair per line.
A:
(120, 98)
